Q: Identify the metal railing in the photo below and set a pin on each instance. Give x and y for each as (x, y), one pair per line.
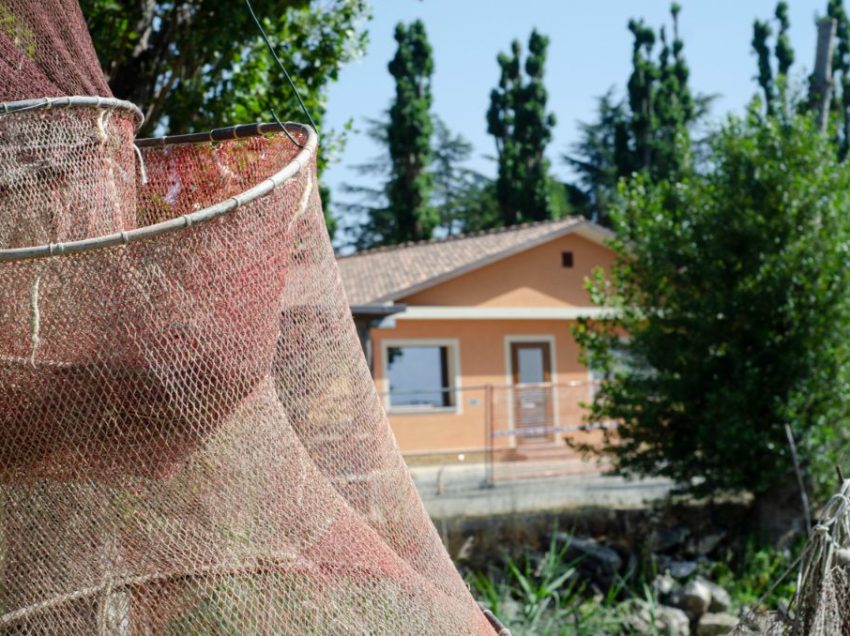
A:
(526, 430)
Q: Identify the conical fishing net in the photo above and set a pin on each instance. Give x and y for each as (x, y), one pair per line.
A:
(190, 439)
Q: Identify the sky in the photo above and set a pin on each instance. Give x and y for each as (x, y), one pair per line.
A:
(590, 51)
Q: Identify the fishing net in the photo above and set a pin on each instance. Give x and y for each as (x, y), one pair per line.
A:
(821, 603)
(190, 439)
(46, 51)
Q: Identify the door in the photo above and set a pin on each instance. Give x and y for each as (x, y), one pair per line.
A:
(531, 370)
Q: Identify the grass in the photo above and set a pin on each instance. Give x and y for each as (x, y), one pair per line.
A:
(547, 595)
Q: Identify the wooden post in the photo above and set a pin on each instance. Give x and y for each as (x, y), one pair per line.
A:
(822, 76)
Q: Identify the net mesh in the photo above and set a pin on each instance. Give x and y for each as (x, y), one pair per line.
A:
(190, 439)
(821, 603)
(46, 51)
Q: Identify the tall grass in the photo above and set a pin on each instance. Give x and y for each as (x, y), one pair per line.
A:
(547, 596)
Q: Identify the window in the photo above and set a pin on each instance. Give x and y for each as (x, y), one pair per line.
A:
(567, 259)
(421, 375)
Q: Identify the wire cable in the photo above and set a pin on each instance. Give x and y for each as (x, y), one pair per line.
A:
(280, 64)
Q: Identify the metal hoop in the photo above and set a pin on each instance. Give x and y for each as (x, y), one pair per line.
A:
(301, 160)
(74, 101)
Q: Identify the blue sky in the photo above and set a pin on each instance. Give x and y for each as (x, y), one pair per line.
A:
(590, 51)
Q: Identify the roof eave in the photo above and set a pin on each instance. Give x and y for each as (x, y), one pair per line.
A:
(587, 229)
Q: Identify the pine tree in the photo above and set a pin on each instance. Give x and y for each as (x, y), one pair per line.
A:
(408, 215)
(522, 129)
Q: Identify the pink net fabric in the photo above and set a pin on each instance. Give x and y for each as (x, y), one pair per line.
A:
(190, 439)
(46, 51)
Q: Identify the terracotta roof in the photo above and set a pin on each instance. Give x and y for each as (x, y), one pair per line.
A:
(383, 275)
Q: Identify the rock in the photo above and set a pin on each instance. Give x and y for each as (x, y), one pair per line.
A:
(720, 599)
(695, 598)
(668, 621)
(670, 538)
(601, 562)
(716, 624)
(705, 545)
(664, 584)
(681, 569)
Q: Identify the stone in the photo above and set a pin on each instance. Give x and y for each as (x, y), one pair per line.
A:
(599, 560)
(716, 624)
(695, 598)
(705, 545)
(681, 569)
(669, 538)
(664, 584)
(720, 599)
(668, 621)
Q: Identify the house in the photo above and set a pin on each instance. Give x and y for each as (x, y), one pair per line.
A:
(469, 337)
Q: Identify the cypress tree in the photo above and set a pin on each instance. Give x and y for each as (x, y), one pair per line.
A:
(408, 215)
(784, 52)
(640, 88)
(841, 74)
(761, 34)
(522, 129)
(647, 132)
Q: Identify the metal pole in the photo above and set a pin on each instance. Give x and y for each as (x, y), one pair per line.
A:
(488, 437)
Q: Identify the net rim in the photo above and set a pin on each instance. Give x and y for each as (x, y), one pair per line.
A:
(290, 170)
(73, 101)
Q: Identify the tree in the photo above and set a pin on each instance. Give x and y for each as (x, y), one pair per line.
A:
(409, 137)
(194, 65)
(522, 129)
(841, 76)
(401, 209)
(602, 157)
(649, 131)
(463, 199)
(460, 195)
(197, 64)
(732, 314)
(773, 88)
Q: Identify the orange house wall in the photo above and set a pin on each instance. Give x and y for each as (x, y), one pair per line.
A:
(482, 363)
(534, 278)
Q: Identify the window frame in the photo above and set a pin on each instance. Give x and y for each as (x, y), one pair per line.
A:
(452, 346)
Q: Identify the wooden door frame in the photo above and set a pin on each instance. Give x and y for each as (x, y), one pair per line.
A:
(511, 339)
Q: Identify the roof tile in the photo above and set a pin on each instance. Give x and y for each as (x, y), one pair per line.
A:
(385, 274)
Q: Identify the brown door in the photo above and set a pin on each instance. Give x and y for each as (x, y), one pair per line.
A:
(531, 366)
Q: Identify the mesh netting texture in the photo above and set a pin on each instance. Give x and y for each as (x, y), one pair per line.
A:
(46, 51)
(190, 438)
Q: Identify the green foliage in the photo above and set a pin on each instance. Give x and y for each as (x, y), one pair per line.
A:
(460, 195)
(647, 133)
(732, 286)
(773, 87)
(194, 65)
(547, 597)
(784, 51)
(464, 199)
(197, 64)
(522, 128)
(840, 104)
(407, 213)
(755, 574)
